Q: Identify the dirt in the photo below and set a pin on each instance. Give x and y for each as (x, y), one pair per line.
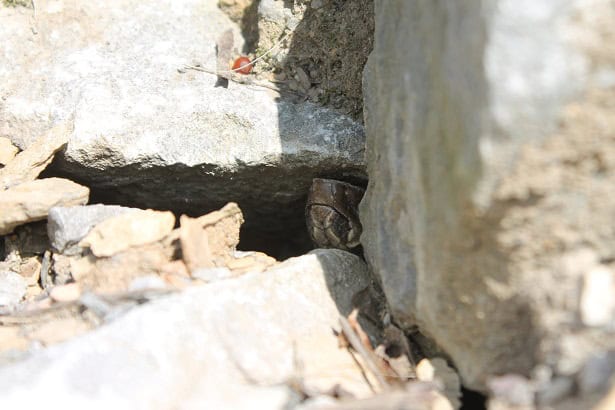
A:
(320, 48)
(560, 206)
(15, 3)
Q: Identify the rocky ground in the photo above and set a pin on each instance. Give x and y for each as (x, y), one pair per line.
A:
(121, 282)
(174, 304)
(153, 243)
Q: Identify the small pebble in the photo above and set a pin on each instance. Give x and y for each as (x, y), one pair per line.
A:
(293, 85)
(65, 293)
(597, 372)
(39, 304)
(556, 390)
(425, 371)
(13, 288)
(303, 79)
(279, 76)
(598, 297)
(30, 269)
(316, 4)
(33, 291)
(512, 389)
(176, 281)
(147, 282)
(212, 274)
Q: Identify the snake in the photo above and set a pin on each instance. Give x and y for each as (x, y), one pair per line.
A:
(332, 214)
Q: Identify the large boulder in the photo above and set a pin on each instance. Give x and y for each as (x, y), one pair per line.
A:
(491, 156)
(238, 344)
(147, 134)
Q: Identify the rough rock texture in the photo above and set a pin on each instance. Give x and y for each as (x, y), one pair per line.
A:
(491, 155)
(28, 164)
(7, 150)
(146, 135)
(210, 240)
(231, 344)
(124, 231)
(129, 244)
(115, 273)
(414, 396)
(31, 201)
(12, 288)
(320, 49)
(66, 226)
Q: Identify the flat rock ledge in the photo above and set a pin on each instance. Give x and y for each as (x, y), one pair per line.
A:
(151, 135)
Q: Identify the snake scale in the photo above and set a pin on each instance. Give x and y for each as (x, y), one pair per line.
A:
(332, 214)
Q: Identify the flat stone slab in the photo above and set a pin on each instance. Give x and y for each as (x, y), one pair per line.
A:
(31, 201)
(146, 134)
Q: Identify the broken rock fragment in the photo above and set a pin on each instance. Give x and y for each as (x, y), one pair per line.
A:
(128, 230)
(66, 226)
(30, 270)
(12, 288)
(31, 201)
(7, 150)
(446, 378)
(28, 164)
(116, 273)
(65, 293)
(210, 240)
(250, 262)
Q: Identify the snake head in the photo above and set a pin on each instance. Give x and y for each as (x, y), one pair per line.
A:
(332, 214)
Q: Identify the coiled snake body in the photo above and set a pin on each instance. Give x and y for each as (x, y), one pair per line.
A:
(332, 214)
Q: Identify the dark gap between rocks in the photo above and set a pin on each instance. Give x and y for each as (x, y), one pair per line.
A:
(249, 26)
(472, 400)
(276, 228)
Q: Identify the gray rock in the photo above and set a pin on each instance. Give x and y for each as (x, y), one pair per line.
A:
(316, 4)
(597, 304)
(512, 389)
(555, 390)
(148, 136)
(596, 375)
(128, 231)
(12, 288)
(479, 116)
(66, 226)
(230, 344)
(274, 11)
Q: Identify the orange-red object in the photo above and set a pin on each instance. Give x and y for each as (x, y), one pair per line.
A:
(243, 62)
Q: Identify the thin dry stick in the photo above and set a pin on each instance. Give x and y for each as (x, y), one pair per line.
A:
(362, 370)
(240, 80)
(233, 71)
(259, 57)
(356, 344)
